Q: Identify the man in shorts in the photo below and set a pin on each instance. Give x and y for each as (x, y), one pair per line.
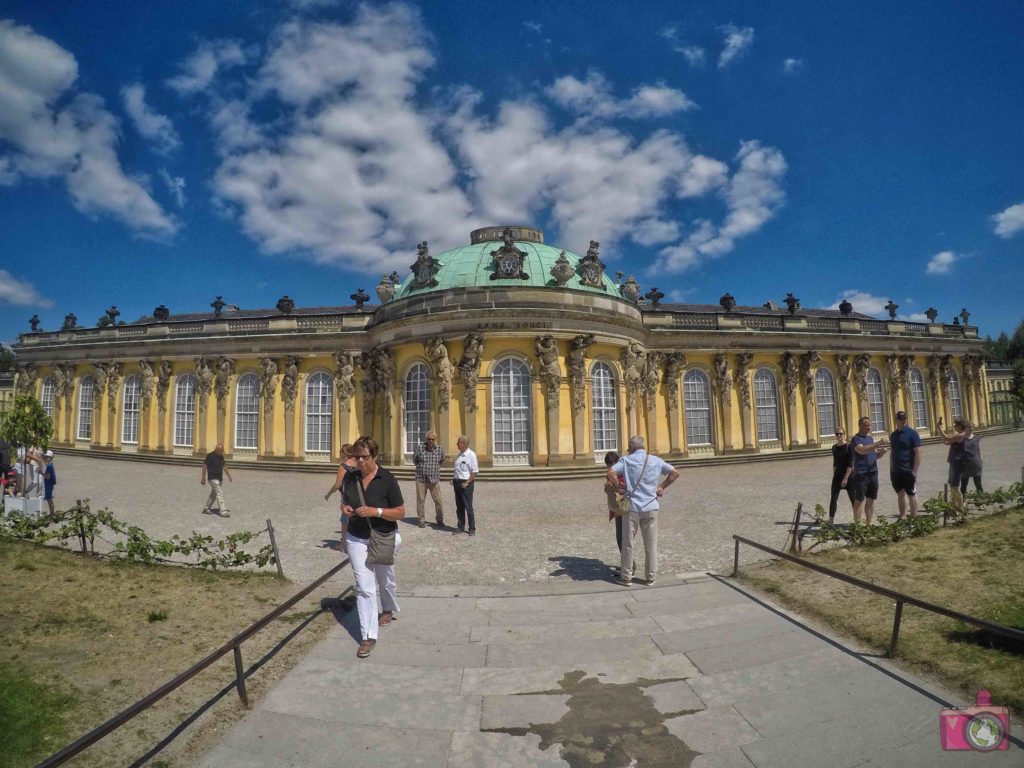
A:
(864, 470)
(903, 464)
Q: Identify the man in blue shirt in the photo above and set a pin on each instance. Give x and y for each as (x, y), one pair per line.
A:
(864, 469)
(904, 462)
(642, 472)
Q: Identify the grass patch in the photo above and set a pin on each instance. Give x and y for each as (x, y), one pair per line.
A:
(75, 629)
(975, 569)
(31, 718)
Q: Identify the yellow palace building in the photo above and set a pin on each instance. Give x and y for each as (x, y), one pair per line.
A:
(534, 352)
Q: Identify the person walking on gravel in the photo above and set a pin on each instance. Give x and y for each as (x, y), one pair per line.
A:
(428, 460)
(214, 471)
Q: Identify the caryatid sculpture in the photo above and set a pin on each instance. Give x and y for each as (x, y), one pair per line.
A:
(742, 376)
(469, 367)
(290, 382)
(163, 383)
(225, 368)
(27, 375)
(437, 353)
(344, 375)
(790, 374)
(655, 363)
(861, 365)
(113, 384)
(550, 374)
(722, 376)
(204, 374)
(576, 365)
(268, 382)
(147, 379)
(634, 370)
(674, 364)
(808, 364)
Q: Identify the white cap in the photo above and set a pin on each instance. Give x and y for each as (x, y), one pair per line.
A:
(49, 454)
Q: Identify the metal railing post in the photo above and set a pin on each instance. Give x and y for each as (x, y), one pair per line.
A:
(895, 629)
(240, 676)
(273, 544)
(736, 560)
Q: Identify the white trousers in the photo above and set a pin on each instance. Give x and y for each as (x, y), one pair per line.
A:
(372, 581)
(648, 528)
(216, 495)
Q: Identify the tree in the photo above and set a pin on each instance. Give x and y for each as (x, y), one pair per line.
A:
(6, 359)
(998, 349)
(26, 424)
(1017, 385)
(1015, 349)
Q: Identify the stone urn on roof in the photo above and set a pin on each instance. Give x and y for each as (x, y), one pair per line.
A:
(563, 271)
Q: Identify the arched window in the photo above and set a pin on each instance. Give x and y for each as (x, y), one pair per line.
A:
(603, 408)
(247, 411)
(185, 411)
(916, 383)
(130, 410)
(319, 413)
(956, 406)
(416, 417)
(876, 401)
(766, 402)
(86, 401)
(825, 392)
(510, 388)
(697, 407)
(47, 396)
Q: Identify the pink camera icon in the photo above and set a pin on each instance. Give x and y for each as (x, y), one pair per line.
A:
(983, 727)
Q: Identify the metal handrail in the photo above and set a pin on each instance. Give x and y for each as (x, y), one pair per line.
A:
(234, 644)
(899, 597)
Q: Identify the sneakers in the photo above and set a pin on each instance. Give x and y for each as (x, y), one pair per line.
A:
(650, 582)
(383, 619)
(472, 533)
(624, 582)
(207, 511)
(457, 531)
(224, 513)
(365, 648)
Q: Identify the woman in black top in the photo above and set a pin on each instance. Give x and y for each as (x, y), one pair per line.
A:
(383, 507)
(840, 463)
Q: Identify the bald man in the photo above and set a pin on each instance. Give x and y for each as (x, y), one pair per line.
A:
(214, 470)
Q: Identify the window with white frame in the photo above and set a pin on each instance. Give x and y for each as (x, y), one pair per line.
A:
(319, 412)
(603, 408)
(416, 416)
(956, 405)
(247, 412)
(86, 392)
(185, 411)
(510, 387)
(47, 396)
(876, 401)
(766, 404)
(825, 393)
(697, 407)
(918, 403)
(130, 410)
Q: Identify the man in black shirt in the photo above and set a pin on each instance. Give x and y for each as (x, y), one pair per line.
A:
(214, 470)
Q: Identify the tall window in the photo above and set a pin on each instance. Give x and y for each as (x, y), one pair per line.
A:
(917, 400)
(876, 401)
(825, 392)
(85, 403)
(956, 406)
(247, 411)
(417, 406)
(511, 394)
(319, 413)
(697, 407)
(185, 411)
(47, 399)
(603, 408)
(130, 410)
(766, 402)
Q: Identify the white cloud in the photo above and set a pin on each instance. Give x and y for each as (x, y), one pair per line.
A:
(20, 293)
(199, 70)
(792, 66)
(1009, 222)
(175, 186)
(669, 32)
(736, 41)
(942, 262)
(330, 147)
(694, 54)
(150, 124)
(75, 142)
(534, 26)
(8, 176)
(753, 195)
(593, 98)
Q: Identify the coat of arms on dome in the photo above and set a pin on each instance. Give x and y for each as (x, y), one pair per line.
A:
(508, 260)
(563, 271)
(425, 268)
(591, 267)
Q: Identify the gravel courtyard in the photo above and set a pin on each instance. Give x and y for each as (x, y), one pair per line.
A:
(527, 532)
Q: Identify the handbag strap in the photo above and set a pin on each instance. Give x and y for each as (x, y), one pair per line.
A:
(359, 488)
(625, 474)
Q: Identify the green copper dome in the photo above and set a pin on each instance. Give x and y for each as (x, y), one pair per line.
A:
(477, 264)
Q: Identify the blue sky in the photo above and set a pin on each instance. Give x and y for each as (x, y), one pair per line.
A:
(169, 153)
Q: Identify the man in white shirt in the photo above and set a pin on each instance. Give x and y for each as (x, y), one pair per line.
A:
(643, 472)
(464, 481)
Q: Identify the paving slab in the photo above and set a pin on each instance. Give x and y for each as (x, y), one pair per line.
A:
(709, 675)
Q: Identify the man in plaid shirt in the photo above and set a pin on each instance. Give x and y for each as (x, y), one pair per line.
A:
(428, 459)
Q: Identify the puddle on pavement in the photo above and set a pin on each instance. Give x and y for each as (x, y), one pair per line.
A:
(611, 725)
